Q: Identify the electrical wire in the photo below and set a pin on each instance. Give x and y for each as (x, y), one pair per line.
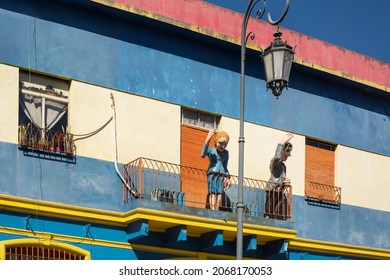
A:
(87, 135)
(116, 150)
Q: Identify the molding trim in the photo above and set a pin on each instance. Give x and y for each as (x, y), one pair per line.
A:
(76, 213)
(236, 41)
(339, 249)
(45, 242)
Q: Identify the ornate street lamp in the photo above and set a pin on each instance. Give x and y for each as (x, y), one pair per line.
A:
(277, 60)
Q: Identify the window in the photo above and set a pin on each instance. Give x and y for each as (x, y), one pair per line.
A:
(194, 129)
(199, 119)
(43, 113)
(319, 172)
(321, 145)
(33, 249)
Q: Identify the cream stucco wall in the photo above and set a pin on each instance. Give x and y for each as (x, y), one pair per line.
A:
(9, 105)
(150, 128)
(144, 127)
(364, 178)
(259, 148)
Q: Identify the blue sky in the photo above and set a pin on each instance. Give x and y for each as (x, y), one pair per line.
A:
(357, 25)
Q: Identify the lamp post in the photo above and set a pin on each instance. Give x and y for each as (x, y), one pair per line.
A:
(277, 59)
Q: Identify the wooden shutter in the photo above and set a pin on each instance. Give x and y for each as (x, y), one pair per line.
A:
(319, 172)
(192, 140)
(319, 165)
(194, 181)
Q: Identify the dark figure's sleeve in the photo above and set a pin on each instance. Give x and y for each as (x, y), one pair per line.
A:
(277, 167)
(276, 158)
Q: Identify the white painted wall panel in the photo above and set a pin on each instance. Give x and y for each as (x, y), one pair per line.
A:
(9, 105)
(145, 127)
(364, 178)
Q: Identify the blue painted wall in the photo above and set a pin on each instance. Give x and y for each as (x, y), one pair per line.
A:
(116, 235)
(346, 224)
(88, 182)
(94, 183)
(119, 54)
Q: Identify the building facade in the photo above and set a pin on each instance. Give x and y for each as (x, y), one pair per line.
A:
(106, 106)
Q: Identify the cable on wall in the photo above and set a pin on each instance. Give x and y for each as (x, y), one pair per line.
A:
(116, 149)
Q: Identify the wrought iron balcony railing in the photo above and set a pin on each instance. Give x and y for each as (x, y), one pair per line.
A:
(172, 183)
(44, 140)
(323, 193)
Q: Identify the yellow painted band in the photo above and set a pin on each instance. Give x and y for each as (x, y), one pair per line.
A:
(341, 74)
(42, 236)
(46, 242)
(51, 209)
(58, 241)
(338, 249)
(23, 205)
(297, 244)
(44, 208)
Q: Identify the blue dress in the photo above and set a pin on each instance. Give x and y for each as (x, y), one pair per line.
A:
(217, 170)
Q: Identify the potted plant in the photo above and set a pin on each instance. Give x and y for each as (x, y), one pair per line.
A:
(23, 134)
(68, 140)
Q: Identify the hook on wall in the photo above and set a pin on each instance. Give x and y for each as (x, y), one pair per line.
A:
(27, 224)
(88, 233)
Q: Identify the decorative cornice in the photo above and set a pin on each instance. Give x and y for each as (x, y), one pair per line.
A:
(210, 20)
(338, 249)
(90, 215)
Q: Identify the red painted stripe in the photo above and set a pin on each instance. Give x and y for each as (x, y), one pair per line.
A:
(309, 50)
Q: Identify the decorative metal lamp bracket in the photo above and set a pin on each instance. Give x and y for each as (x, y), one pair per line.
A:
(259, 14)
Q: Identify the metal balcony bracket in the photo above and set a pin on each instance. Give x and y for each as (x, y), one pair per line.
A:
(137, 230)
(87, 229)
(211, 240)
(276, 249)
(27, 224)
(249, 243)
(176, 234)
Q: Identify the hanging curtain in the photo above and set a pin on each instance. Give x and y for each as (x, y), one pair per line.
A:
(54, 112)
(32, 106)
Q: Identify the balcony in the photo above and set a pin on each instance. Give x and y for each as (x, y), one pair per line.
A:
(164, 182)
(322, 193)
(46, 143)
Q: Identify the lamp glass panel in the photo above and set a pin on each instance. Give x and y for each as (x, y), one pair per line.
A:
(268, 67)
(278, 59)
(288, 59)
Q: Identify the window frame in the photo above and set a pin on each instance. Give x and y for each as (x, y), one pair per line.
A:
(198, 122)
(321, 189)
(36, 133)
(45, 244)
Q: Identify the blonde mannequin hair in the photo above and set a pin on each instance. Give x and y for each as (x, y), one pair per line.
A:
(221, 134)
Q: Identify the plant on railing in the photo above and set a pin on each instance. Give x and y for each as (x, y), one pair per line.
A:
(68, 140)
(57, 141)
(23, 134)
(41, 140)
